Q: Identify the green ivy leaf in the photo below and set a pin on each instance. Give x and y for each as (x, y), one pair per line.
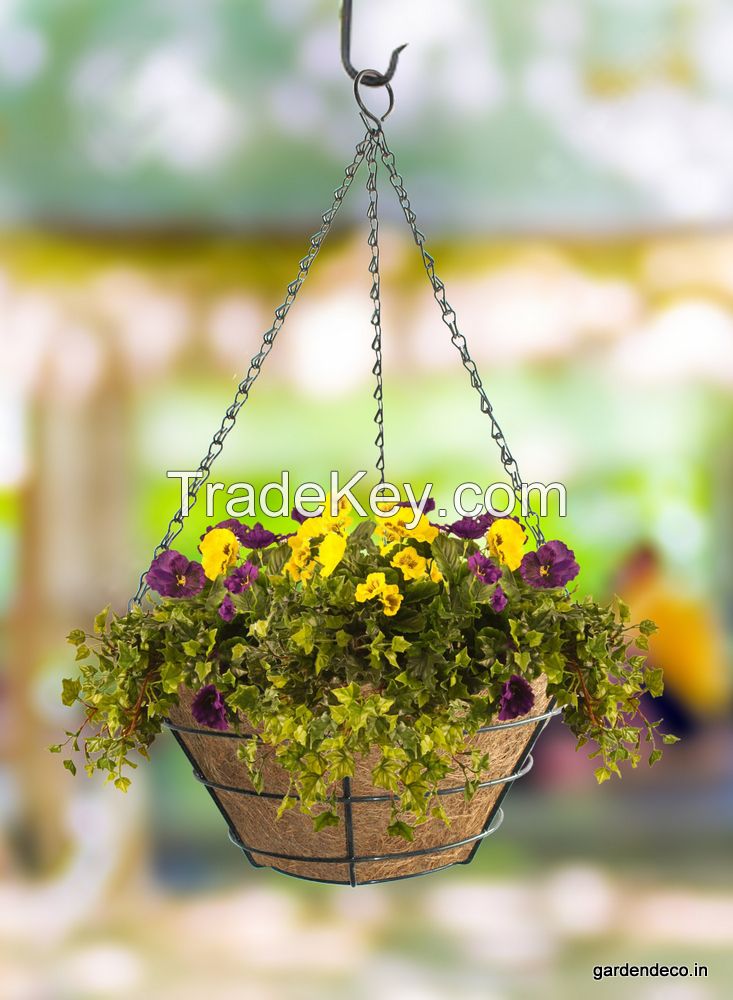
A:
(244, 699)
(400, 829)
(288, 802)
(304, 637)
(171, 677)
(100, 622)
(648, 627)
(655, 681)
(260, 628)
(400, 644)
(384, 775)
(623, 610)
(323, 820)
(70, 691)
(203, 669)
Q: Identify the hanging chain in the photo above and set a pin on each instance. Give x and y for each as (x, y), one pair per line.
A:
(373, 217)
(530, 516)
(369, 147)
(175, 525)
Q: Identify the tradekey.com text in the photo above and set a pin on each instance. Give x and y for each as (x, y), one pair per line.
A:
(277, 498)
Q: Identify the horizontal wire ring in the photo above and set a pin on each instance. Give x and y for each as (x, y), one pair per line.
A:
(507, 779)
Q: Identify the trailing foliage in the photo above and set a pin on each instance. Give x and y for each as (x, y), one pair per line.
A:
(396, 637)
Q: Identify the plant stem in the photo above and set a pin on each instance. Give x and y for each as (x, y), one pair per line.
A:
(138, 705)
(586, 695)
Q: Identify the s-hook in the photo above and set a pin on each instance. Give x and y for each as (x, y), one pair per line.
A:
(370, 79)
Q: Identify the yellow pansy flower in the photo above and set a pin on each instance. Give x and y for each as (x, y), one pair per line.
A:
(331, 552)
(435, 575)
(423, 531)
(395, 529)
(392, 529)
(391, 599)
(300, 566)
(506, 540)
(373, 587)
(219, 549)
(411, 563)
(312, 527)
(342, 520)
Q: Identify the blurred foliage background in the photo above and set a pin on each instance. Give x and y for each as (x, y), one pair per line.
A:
(161, 165)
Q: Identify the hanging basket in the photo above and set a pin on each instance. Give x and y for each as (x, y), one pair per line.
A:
(372, 717)
(359, 851)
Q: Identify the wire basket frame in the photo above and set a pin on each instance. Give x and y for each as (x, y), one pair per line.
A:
(359, 851)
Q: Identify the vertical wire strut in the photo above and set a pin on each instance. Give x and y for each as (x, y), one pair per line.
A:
(241, 396)
(530, 516)
(373, 241)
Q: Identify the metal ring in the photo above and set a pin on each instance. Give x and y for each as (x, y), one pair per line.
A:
(499, 726)
(230, 734)
(361, 859)
(507, 779)
(369, 881)
(361, 78)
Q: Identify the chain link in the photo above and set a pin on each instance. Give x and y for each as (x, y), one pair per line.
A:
(175, 525)
(531, 518)
(373, 241)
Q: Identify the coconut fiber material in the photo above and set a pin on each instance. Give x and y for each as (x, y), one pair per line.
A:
(359, 849)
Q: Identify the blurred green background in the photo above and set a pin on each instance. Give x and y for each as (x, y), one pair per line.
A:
(161, 167)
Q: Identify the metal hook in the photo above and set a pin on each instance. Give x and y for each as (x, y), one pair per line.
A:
(371, 79)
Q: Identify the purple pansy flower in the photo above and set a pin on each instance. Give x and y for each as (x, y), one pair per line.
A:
(517, 698)
(227, 611)
(483, 568)
(296, 515)
(498, 600)
(257, 537)
(172, 574)
(209, 708)
(552, 565)
(231, 524)
(241, 578)
(472, 527)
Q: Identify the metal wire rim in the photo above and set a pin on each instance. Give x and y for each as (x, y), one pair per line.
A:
(368, 858)
(453, 790)
(368, 881)
(495, 727)
(174, 727)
